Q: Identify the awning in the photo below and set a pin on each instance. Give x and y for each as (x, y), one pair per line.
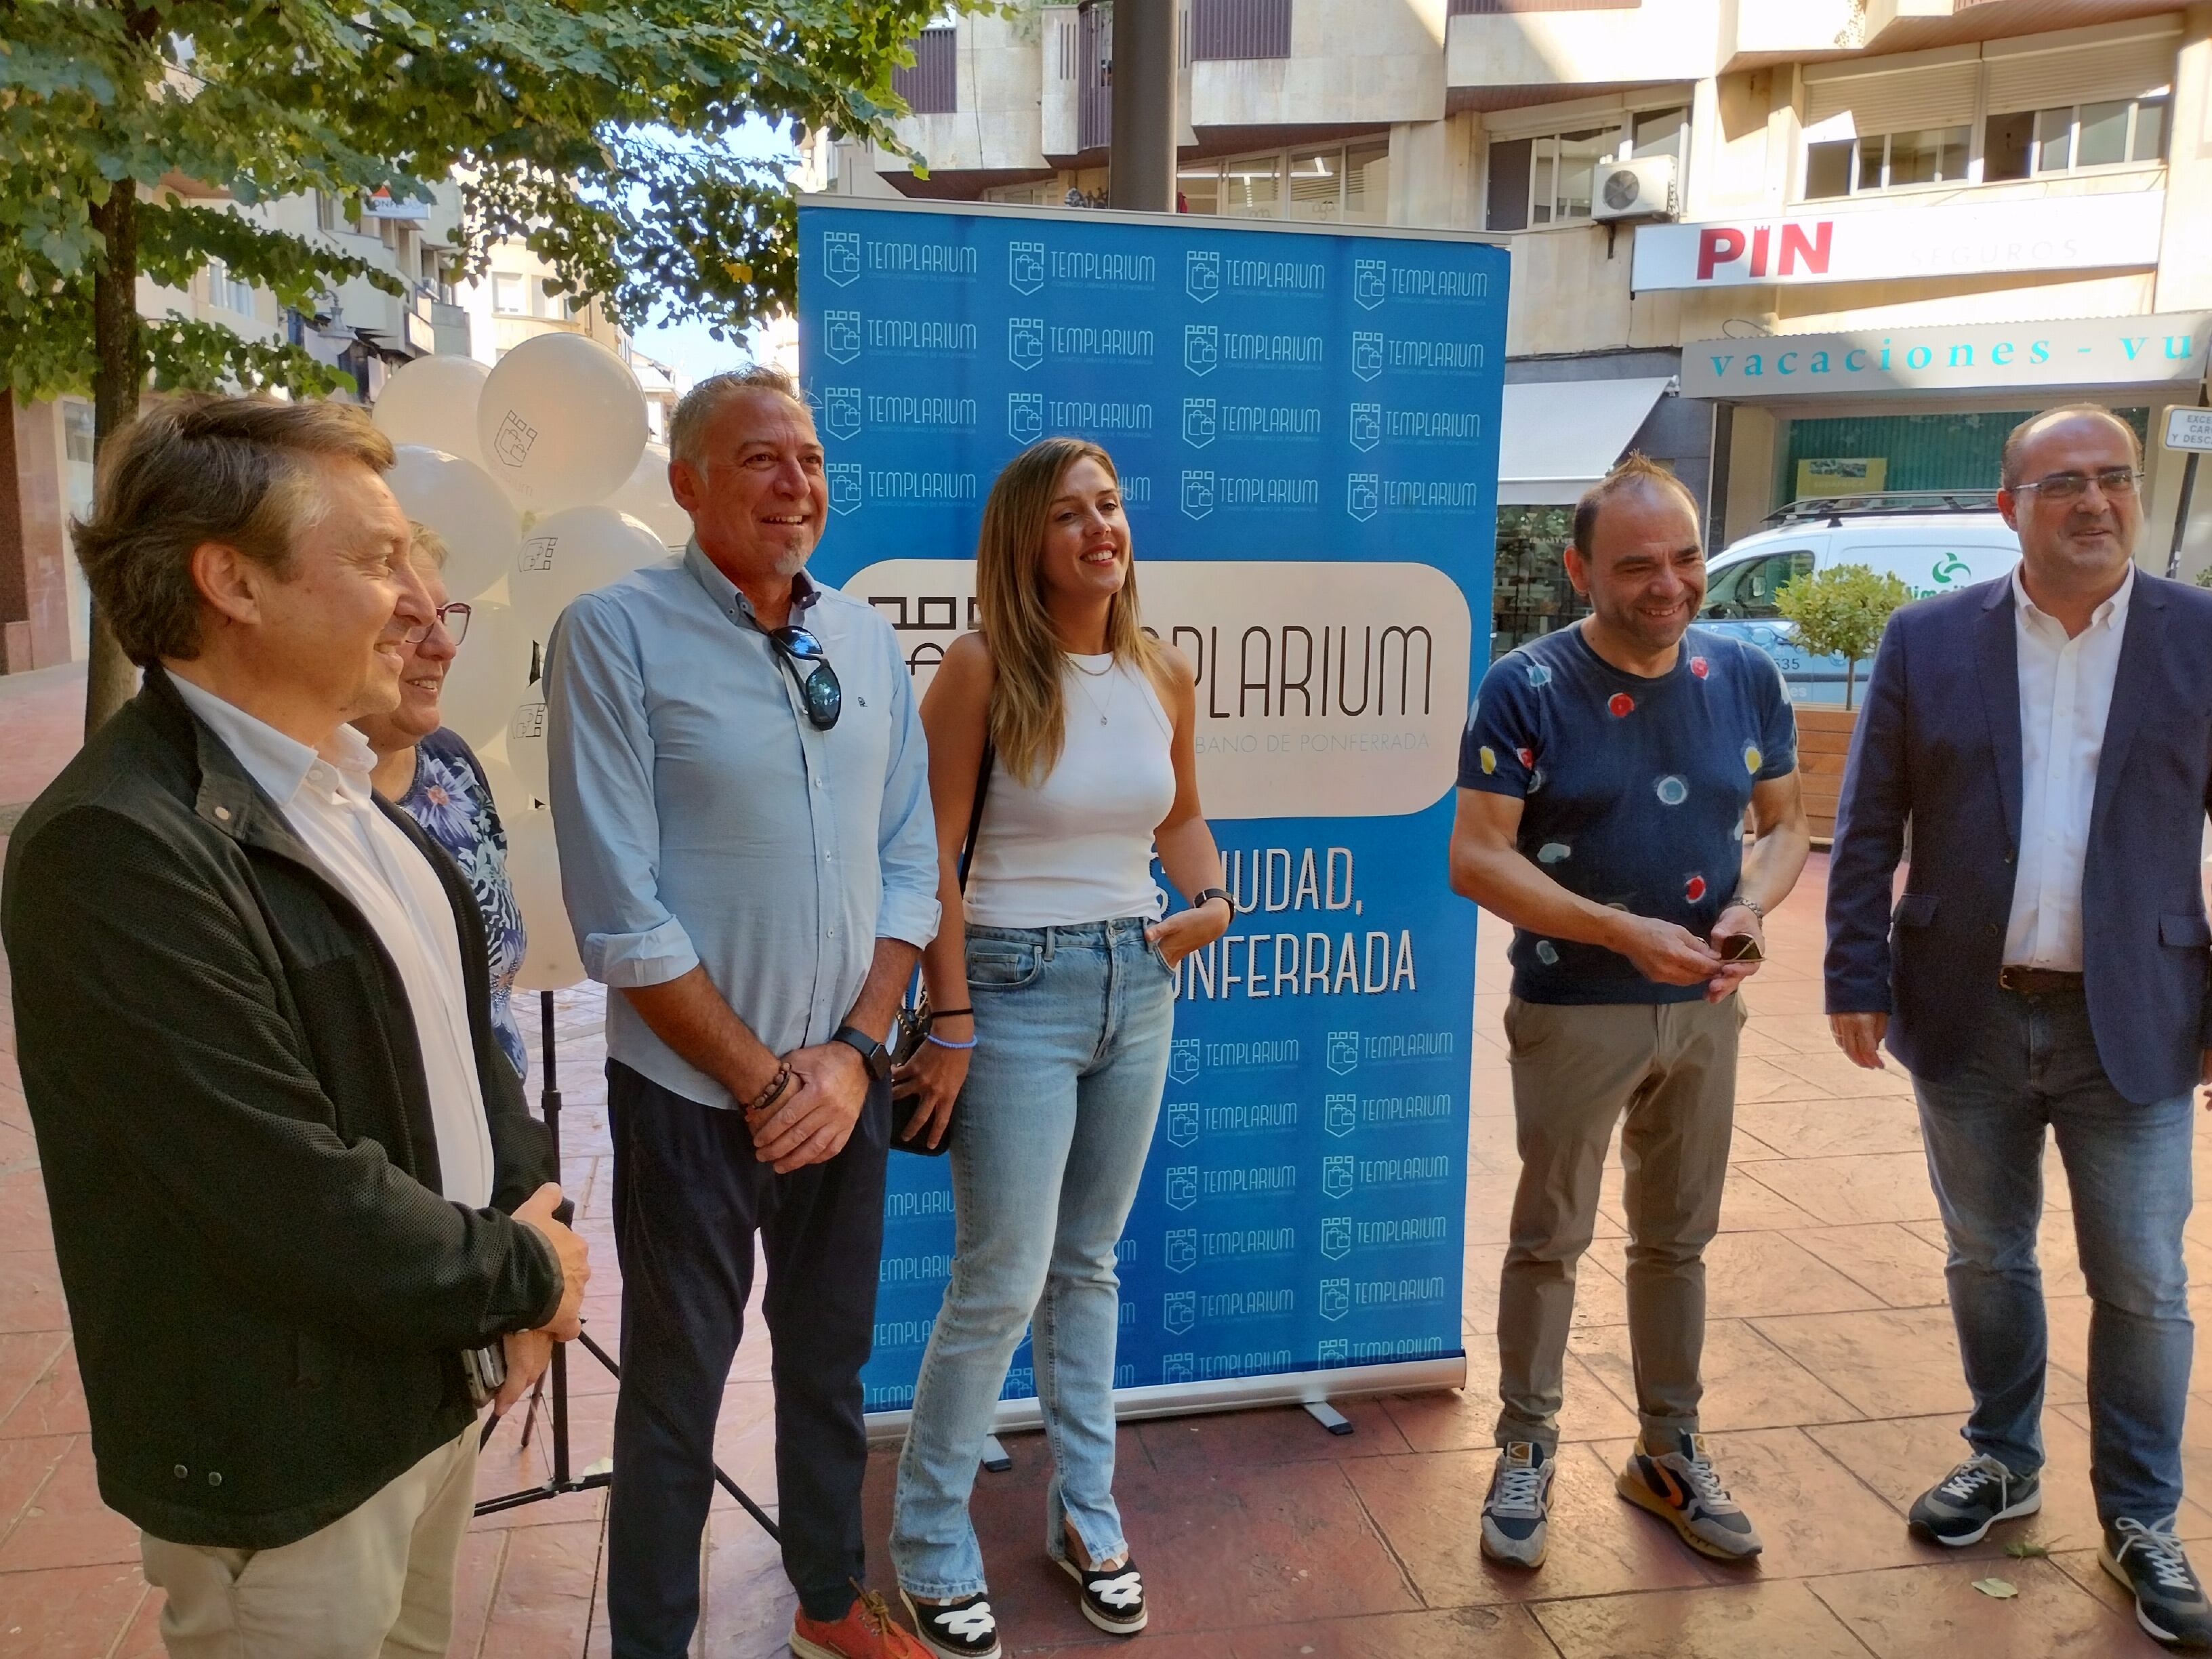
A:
(1557, 438)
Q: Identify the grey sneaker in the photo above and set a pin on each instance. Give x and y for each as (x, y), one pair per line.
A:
(1961, 1508)
(1515, 1510)
(1681, 1488)
(2170, 1602)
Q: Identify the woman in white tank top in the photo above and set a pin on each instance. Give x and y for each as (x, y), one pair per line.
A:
(1065, 968)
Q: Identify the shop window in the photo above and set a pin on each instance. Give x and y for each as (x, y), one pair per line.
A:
(2066, 137)
(1751, 589)
(1316, 194)
(1530, 594)
(1886, 160)
(1251, 187)
(1338, 183)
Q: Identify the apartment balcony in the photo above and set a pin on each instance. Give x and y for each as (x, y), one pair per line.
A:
(975, 90)
(1502, 53)
(1314, 64)
(1783, 31)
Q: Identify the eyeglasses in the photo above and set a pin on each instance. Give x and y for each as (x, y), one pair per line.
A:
(2113, 481)
(818, 683)
(454, 618)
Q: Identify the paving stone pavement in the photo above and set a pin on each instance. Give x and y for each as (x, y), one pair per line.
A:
(1833, 1395)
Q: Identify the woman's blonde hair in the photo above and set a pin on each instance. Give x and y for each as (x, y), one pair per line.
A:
(1028, 718)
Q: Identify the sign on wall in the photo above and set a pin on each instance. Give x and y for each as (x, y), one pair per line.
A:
(1306, 428)
(2050, 233)
(2077, 351)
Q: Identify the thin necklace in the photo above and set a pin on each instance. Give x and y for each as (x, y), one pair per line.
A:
(1096, 674)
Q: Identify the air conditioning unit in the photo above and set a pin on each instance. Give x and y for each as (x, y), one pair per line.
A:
(1641, 188)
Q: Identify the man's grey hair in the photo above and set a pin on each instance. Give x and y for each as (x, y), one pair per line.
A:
(687, 429)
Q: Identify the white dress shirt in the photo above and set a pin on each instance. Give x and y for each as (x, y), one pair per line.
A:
(330, 806)
(2065, 694)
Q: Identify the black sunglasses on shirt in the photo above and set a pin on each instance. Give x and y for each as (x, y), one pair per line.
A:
(801, 653)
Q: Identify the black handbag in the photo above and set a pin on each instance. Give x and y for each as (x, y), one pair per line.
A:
(911, 1028)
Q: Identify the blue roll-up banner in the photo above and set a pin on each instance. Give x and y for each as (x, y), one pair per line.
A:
(1306, 423)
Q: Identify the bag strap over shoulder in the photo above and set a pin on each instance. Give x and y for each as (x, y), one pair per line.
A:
(975, 812)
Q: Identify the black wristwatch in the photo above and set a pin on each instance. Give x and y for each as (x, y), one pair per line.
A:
(872, 1053)
(1205, 895)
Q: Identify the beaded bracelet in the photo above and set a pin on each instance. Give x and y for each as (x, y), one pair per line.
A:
(942, 1043)
(769, 1095)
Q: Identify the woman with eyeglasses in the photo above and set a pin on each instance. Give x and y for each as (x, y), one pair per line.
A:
(1055, 1012)
(436, 779)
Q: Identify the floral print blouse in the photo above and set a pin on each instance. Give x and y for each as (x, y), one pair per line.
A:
(452, 802)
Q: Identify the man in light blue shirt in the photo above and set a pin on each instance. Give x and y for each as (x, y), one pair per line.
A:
(740, 791)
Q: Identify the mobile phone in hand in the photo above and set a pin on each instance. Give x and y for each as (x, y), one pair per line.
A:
(485, 1369)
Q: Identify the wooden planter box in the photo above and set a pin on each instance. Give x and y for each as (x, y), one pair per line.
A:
(1824, 741)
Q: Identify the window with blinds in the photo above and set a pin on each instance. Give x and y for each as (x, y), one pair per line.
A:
(2090, 75)
(1899, 101)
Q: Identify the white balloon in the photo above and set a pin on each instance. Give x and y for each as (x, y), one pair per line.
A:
(573, 552)
(550, 961)
(471, 514)
(433, 402)
(492, 670)
(648, 499)
(562, 421)
(526, 748)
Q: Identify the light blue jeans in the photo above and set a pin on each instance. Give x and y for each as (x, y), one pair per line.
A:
(1048, 1145)
(2128, 1166)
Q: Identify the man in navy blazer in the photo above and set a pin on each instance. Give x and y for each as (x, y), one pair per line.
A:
(2048, 738)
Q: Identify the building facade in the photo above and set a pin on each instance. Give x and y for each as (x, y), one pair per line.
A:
(46, 469)
(1789, 247)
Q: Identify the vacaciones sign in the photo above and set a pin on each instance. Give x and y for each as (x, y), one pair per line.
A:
(2166, 348)
(2050, 233)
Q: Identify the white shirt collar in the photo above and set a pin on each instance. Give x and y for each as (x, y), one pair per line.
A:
(280, 764)
(2112, 613)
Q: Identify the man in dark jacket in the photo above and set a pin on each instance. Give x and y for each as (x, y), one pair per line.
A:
(291, 1173)
(2047, 739)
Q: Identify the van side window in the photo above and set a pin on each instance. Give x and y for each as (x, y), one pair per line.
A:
(1751, 589)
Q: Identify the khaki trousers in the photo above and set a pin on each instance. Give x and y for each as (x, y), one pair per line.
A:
(1666, 1074)
(376, 1583)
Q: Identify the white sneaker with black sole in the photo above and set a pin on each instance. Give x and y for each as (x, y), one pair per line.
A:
(1113, 1600)
(961, 1629)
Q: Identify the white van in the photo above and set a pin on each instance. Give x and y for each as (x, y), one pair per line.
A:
(1936, 543)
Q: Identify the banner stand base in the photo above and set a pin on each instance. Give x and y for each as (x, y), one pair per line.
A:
(1328, 1417)
(1230, 1394)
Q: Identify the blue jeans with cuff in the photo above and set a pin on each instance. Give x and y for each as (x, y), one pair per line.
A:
(1049, 1143)
(2128, 1167)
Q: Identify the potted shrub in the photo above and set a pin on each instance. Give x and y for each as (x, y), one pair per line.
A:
(1837, 612)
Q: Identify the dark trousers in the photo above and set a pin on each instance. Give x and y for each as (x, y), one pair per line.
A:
(688, 1194)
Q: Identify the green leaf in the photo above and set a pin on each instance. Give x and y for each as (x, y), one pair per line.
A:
(600, 131)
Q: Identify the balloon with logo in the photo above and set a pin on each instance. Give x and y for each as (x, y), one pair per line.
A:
(550, 961)
(471, 514)
(572, 552)
(526, 748)
(433, 402)
(646, 498)
(560, 422)
(492, 671)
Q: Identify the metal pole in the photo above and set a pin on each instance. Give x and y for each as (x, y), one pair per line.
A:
(2181, 516)
(1141, 162)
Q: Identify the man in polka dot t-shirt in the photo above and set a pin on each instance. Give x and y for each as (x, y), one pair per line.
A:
(1604, 779)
